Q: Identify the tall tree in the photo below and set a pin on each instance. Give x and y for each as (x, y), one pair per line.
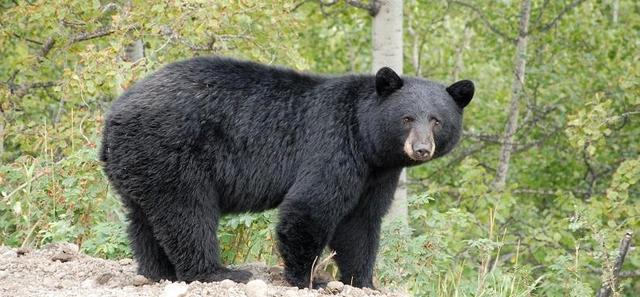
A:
(387, 51)
(517, 93)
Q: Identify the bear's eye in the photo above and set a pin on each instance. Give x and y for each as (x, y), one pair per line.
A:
(436, 122)
(407, 120)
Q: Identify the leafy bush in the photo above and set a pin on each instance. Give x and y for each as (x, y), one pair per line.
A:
(572, 190)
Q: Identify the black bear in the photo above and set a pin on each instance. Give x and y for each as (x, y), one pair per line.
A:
(210, 136)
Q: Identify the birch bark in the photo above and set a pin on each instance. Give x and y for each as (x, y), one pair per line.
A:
(517, 94)
(387, 51)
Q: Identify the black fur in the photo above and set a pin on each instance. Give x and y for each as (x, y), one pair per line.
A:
(209, 136)
(462, 92)
(387, 81)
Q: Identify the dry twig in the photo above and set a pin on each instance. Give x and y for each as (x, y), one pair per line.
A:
(609, 284)
(321, 266)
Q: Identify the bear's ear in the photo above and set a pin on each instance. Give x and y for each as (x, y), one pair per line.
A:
(462, 92)
(387, 81)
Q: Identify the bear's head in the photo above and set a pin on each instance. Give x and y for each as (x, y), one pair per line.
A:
(416, 120)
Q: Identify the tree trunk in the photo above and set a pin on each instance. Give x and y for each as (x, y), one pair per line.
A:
(607, 287)
(415, 52)
(1, 134)
(517, 93)
(387, 51)
(132, 53)
(615, 8)
(458, 65)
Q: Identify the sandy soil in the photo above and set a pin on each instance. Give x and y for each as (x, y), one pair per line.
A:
(60, 270)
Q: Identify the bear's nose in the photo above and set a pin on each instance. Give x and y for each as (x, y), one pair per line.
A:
(422, 151)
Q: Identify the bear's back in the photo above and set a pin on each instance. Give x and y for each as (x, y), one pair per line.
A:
(247, 124)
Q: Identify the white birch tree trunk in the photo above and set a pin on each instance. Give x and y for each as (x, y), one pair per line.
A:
(1, 134)
(387, 51)
(458, 65)
(415, 48)
(132, 53)
(517, 93)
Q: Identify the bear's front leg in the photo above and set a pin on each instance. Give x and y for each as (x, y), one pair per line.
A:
(357, 237)
(356, 242)
(308, 216)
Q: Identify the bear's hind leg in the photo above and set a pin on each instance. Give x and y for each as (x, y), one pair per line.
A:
(153, 263)
(185, 224)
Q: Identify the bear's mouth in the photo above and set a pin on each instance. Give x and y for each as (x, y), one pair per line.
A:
(416, 157)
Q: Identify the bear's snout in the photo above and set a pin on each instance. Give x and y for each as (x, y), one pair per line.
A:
(422, 152)
(419, 146)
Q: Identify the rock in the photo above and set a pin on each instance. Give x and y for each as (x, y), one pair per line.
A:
(347, 290)
(291, 293)
(8, 254)
(227, 284)
(256, 288)
(3, 275)
(64, 256)
(334, 287)
(70, 248)
(275, 270)
(322, 277)
(104, 278)
(23, 251)
(125, 261)
(140, 280)
(49, 268)
(175, 290)
(88, 283)
(272, 291)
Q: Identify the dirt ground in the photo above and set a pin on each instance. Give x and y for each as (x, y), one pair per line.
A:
(60, 270)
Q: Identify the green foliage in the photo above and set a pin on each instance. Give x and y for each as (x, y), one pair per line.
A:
(248, 238)
(573, 187)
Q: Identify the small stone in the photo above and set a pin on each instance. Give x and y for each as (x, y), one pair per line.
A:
(88, 283)
(370, 291)
(23, 251)
(256, 288)
(227, 284)
(104, 278)
(140, 280)
(347, 290)
(49, 268)
(3, 275)
(175, 290)
(63, 257)
(334, 287)
(291, 293)
(70, 248)
(275, 270)
(8, 254)
(272, 291)
(125, 261)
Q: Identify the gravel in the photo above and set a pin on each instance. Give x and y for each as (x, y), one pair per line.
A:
(60, 270)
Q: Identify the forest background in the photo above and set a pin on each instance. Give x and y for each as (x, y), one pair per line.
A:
(535, 201)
